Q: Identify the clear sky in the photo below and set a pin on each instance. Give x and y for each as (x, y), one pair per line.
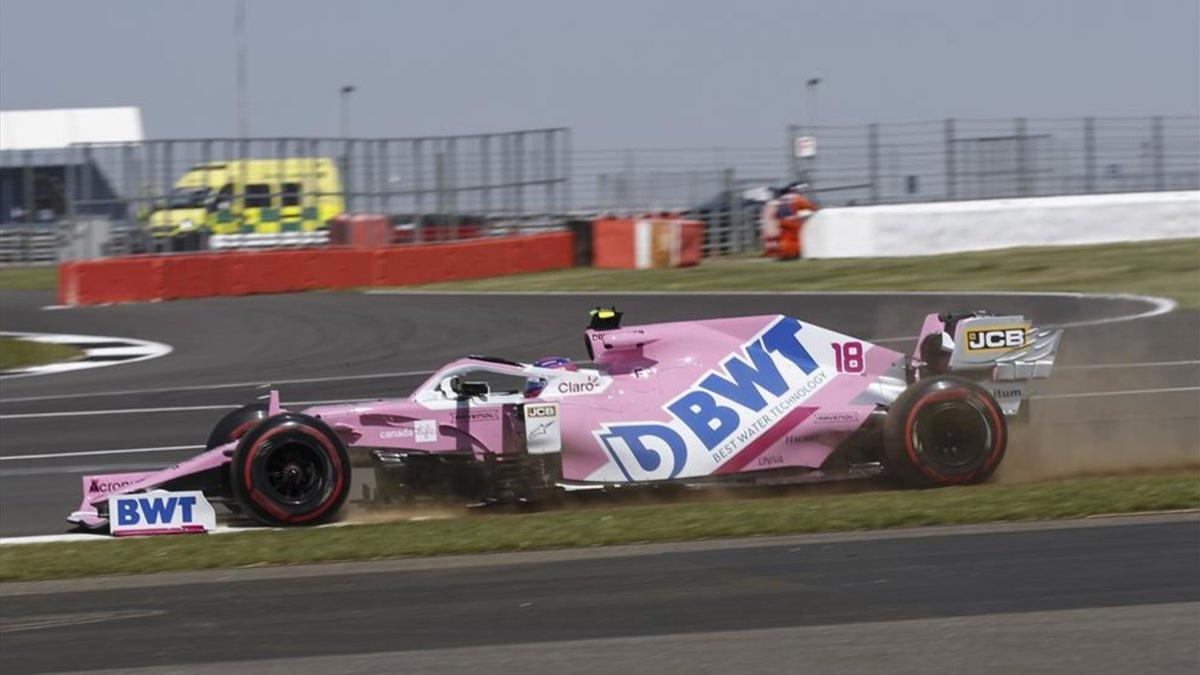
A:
(639, 73)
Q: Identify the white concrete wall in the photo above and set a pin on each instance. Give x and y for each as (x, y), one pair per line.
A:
(947, 227)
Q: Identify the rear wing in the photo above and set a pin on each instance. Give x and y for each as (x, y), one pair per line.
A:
(1002, 353)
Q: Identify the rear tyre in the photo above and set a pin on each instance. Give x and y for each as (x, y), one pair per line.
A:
(235, 425)
(944, 431)
(291, 469)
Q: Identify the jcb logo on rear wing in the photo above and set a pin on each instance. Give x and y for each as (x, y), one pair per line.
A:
(997, 338)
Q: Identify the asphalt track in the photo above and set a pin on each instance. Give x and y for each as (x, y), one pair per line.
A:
(1109, 596)
(336, 346)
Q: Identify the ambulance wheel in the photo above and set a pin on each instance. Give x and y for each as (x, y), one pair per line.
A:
(944, 431)
(235, 424)
(291, 469)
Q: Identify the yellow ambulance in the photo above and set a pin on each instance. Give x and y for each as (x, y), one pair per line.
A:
(250, 196)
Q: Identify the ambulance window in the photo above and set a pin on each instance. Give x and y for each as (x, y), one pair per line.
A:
(291, 194)
(224, 199)
(258, 195)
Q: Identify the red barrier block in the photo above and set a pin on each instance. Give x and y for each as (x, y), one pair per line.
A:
(361, 231)
(188, 276)
(613, 243)
(241, 273)
(345, 268)
(97, 282)
(691, 241)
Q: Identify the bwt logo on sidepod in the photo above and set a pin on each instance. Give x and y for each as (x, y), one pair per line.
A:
(724, 410)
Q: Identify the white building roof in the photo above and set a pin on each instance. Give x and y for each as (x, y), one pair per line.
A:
(54, 129)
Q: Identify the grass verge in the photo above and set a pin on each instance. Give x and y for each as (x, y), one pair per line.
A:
(1169, 268)
(16, 353)
(584, 527)
(28, 278)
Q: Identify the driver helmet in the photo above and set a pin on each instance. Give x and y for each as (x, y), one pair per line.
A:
(556, 362)
(534, 386)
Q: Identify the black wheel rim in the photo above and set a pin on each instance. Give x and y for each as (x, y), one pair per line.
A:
(954, 436)
(296, 472)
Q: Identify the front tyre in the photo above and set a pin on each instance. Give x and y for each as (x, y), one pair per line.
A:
(291, 469)
(236, 424)
(944, 431)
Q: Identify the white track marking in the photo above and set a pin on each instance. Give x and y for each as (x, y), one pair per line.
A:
(1126, 392)
(173, 448)
(137, 350)
(230, 406)
(79, 469)
(96, 536)
(1158, 306)
(90, 453)
(179, 408)
(228, 385)
(123, 411)
(1149, 364)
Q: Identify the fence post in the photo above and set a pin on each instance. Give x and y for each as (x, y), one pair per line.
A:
(873, 160)
(519, 173)
(1089, 155)
(450, 170)
(1022, 169)
(1156, 150)
(793, 161)
(568, 171)
(548, 174)
(69, 189)
(439, 186)
(418, 191)
(734, 232)
(951, 169)
(485, 173)
(27, 198)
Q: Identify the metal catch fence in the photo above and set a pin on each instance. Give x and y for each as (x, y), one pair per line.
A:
(169, 195)
(986, 159)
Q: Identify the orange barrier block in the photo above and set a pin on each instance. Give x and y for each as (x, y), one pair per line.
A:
(624, 243)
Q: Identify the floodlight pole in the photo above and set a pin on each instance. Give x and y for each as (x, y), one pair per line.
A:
(346, 90)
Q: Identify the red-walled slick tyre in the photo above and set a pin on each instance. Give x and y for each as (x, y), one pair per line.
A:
(944, 431)
(291, 469)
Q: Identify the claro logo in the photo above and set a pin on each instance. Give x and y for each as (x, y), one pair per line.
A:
(567, 387)
(110, 486)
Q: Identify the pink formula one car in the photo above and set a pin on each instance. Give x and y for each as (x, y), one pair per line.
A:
(762, 399)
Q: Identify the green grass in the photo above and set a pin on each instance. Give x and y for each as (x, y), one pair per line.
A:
(28, 278)
(1169, 268)
(15, 353)
(800, 511)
